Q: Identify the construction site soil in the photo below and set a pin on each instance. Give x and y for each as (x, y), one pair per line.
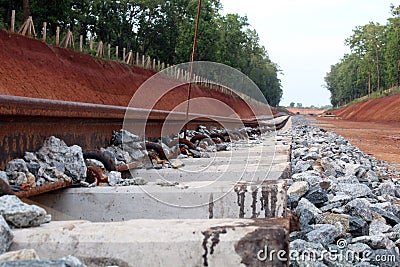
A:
(373, 126)
(31, 68)
(305, 111)
(384, 109)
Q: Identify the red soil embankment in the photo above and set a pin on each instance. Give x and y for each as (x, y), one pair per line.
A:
(31, 68)
(385, 109)
(305, 111)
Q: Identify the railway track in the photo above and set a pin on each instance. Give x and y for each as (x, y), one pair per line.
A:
(247, 203)
(26, 122)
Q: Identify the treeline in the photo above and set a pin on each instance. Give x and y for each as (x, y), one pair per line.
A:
(159, 29)
(373, 64)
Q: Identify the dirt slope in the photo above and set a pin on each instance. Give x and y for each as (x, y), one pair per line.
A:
(305, 111)
(32, 68)
(385, 109)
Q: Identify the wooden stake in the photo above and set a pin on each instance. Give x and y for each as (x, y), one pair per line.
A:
(129, 57)
(91, 43)
(57, 36)
(63, 40)
(99, 49)
(148, 63)
(23, 28)
(143, 61)
(12, 20)
(109, 51)
(32, 26)
(68, 40)
(137, 58)
(81, 43)
(71, 39)
(29, 28)
(116, 52)
(123, 54)
(162, 65)
(154, 63)
(44, 31)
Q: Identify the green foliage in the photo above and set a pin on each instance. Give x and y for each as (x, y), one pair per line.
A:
(326, 107)
(160, 29)
(372, 65)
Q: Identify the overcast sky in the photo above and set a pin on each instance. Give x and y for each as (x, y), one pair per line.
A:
(306, 37)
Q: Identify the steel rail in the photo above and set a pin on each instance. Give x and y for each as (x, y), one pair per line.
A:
(26, 122)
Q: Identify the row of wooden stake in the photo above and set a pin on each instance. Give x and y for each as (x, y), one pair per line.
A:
(28, 28)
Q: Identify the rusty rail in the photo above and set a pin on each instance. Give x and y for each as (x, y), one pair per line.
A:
(5, 189)
(43, 189)
(26, 122)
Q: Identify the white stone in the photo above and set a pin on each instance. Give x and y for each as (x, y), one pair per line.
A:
(19, 214)
(114, 178)
(176, 163)
(378, 227)
(6, 236)
(298, 189)
(19, 255)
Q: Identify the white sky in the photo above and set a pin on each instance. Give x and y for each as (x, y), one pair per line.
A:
(306, 37)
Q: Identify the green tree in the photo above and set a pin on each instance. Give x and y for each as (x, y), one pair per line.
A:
(392, 51)
(372, 65)
(367, 42)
